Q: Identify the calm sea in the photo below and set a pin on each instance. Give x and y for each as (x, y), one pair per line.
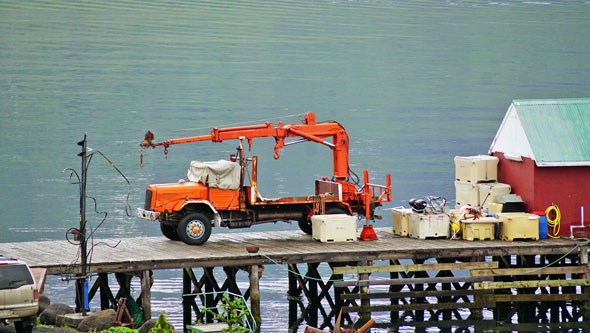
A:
(414, 82)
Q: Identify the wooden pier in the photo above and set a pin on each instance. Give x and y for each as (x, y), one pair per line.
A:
(420, 279)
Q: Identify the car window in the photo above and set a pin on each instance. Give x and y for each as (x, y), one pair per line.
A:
(14, 276)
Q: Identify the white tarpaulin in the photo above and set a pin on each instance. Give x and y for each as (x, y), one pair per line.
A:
(224, 175)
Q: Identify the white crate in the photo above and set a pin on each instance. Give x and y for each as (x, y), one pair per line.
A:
(429, 226)
(494, 189)
(475, 169)
(466, 194)
(333, 228)
(400, 223)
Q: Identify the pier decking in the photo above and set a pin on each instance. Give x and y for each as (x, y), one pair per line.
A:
(422, 285)
(288, 247)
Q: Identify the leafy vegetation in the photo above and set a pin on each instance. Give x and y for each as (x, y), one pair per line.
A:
(235, 314)
(162, 325)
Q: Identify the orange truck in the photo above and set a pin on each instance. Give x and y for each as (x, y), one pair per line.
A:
(225, 193)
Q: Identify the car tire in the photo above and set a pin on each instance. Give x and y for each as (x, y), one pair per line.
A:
(194, 229)
(25, 326)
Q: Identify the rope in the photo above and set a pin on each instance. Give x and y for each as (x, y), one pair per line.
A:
(293, 272)
(554, 223)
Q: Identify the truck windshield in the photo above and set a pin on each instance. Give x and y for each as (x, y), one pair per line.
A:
(14, 276)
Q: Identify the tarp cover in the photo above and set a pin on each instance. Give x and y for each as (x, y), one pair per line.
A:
(224, 175)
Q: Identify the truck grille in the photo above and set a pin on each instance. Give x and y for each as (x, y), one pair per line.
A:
(148, 200)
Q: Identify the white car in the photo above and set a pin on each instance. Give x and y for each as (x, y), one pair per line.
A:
(19, 296)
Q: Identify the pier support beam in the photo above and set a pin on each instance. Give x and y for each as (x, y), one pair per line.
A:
(255, 295)
(146, 294)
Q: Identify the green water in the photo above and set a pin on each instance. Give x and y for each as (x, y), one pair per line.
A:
(414, 83)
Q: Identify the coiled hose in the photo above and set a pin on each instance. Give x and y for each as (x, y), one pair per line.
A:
(553, 222)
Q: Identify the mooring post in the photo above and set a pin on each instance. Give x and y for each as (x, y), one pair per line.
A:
(255, 295)
(146, 294)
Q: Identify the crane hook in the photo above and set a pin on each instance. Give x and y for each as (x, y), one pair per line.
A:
(141, 158)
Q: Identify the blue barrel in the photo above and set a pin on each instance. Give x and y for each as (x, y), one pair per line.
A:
(543, 228)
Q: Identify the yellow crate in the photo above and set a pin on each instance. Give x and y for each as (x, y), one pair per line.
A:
(519, 226)
(481, 229)
(475, 169)
(400, 218)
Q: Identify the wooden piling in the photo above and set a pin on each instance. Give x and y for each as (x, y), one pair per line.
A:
(255, 295)
(146, 294)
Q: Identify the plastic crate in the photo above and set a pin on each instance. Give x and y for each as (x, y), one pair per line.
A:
(475, 169)
(466, 194)
(481, 229)
(400, 223)
(518, 226)
(428, 226)
(333, 228)
(493, 189)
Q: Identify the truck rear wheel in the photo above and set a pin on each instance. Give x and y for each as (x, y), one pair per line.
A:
(169, 231)
(194, 229)
(305, 225)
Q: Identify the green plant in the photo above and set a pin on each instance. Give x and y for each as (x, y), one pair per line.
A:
(235, 313)
(162, 325)
(119, 329)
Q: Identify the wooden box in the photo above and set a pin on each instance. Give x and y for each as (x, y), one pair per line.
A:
(428, 226)
(519, 226)
(480, 229)
(333, 228)
(475, 169)
(400, 217)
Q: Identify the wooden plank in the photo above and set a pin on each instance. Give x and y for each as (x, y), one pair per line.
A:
(532, 284)
(529, 271)
(425, 293)
(420, 306)
(537, 297)
(392, 282)
(415, 267)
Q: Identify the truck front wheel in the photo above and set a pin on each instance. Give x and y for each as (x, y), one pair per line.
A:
(194, 229)
(169, 231)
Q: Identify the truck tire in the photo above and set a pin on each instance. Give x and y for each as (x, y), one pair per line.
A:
(169, 231)
(305, 225)
(194, 229)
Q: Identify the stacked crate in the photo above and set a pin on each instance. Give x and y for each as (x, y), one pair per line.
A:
(475, 178)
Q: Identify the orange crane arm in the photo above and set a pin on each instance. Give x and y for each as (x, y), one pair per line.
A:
(308, 130)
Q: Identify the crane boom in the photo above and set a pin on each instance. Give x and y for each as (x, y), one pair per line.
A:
(308, 130)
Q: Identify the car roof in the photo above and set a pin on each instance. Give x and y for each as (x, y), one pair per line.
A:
(8, 261)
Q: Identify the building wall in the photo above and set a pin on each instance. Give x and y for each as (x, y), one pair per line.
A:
(519, 175)
(567, 187)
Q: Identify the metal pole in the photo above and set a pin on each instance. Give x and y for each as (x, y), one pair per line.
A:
(82, 235)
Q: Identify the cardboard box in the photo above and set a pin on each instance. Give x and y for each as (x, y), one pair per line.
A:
(333, 228)
(429, 226)
(475, 169)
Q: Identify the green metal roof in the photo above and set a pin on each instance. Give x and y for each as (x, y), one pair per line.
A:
(558, 130)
